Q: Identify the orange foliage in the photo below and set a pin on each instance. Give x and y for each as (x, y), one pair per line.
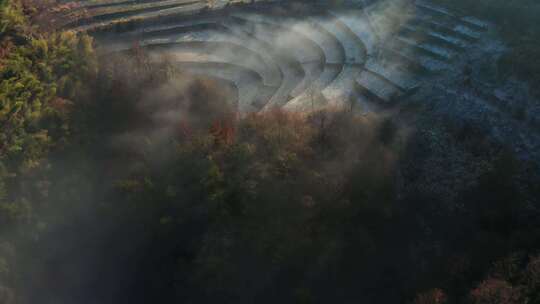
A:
(223, 131)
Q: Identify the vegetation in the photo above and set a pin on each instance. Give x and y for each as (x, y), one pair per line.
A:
(40, 74)
(128, 181)
(518, 24)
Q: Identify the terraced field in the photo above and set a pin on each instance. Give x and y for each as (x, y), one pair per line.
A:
(296, 55)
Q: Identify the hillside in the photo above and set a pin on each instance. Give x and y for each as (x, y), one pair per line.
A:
(193, 151)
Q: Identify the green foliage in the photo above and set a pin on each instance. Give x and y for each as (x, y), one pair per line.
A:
(41, 75)
(12, 19)
(38, 78)
(274, 207)
(284, 190)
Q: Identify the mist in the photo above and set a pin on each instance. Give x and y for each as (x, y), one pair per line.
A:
(269, 152)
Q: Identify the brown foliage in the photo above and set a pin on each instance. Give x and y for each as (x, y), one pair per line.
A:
(223, 131)
(495, 291)
(50, 15)
(433, 296)
(61, 105)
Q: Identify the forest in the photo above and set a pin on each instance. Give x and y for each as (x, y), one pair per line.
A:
(129, 180)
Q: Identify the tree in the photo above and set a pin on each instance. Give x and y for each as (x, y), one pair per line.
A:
(495, 291)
